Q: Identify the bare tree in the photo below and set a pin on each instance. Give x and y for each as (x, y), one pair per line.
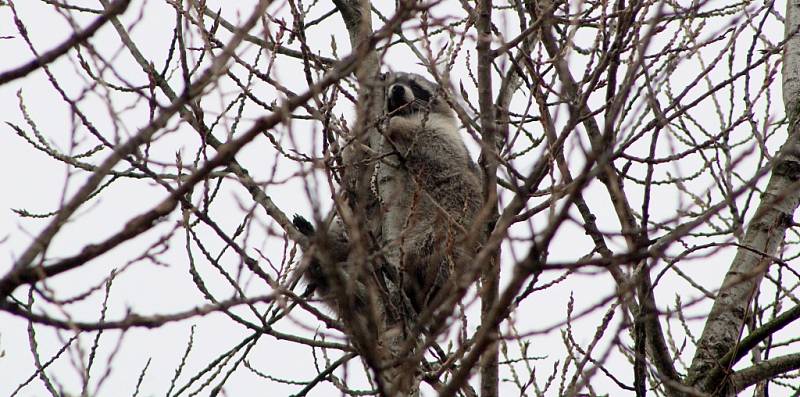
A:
(636, 234)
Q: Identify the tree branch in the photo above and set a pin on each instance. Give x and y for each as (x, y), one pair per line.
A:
(490, 277)
(764, 370)
(22, 274)
(131, 320)
(77, 38)
(765, 232)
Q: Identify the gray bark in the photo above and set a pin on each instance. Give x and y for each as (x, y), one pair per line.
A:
(763, 236)
(389, 332)
(490, 278)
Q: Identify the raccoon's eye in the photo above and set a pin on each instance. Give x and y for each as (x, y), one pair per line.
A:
(419, 92)
(383, 76)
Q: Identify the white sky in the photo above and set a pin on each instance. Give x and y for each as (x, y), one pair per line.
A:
(35, 182)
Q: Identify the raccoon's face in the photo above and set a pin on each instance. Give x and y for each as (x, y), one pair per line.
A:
(410, 93)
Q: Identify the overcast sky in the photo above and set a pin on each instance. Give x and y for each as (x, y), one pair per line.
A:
(37, 183)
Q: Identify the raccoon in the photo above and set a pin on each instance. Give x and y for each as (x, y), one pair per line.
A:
(429, 191)
(429, 188)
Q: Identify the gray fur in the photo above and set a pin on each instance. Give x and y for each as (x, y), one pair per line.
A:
(430, 189)
(332, 248)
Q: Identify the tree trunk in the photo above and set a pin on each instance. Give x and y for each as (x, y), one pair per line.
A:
(384, 341)
(763, 236)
